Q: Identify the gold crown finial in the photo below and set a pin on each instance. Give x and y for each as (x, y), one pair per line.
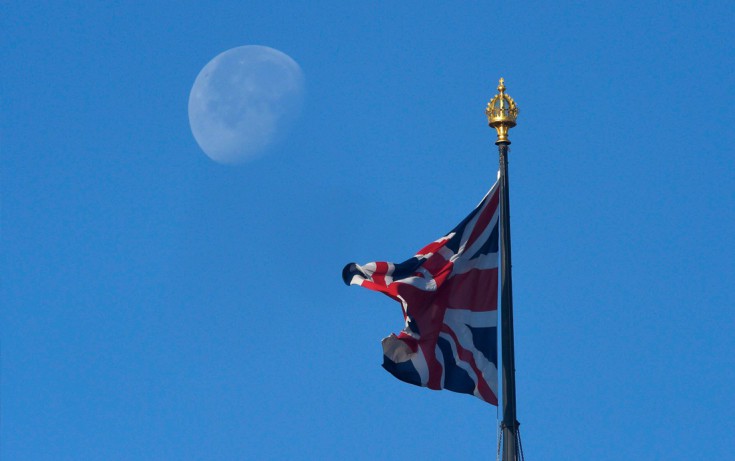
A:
(502, 113)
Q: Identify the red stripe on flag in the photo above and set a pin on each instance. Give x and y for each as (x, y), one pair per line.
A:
(433, 364)
(390, 290)
(475, 290)
(381, 268)
(438, 267)
(485, 216)
(423, 309)
(433, 246)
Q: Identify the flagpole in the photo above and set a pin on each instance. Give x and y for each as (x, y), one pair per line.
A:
(502, 113)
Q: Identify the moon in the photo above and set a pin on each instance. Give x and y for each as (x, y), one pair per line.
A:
(243, 100)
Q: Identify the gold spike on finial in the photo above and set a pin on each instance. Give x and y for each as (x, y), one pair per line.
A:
(501, 113)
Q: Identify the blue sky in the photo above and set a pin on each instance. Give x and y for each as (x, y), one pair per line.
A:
(157, 305)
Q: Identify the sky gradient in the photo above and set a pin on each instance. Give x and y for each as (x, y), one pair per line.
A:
(158, 305)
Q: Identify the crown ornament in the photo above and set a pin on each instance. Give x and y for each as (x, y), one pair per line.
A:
(501, 113)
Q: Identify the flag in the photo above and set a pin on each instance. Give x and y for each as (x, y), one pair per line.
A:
(449, 295)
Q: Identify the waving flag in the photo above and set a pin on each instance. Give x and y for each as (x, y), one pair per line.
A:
(449, 295)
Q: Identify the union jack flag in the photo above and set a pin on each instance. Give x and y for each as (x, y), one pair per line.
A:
(449, 295)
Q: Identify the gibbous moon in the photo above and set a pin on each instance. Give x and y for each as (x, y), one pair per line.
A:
(242, 100)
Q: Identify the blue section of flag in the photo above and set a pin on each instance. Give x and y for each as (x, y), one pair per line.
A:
(406, 268)
(455, 378)
(485, 340)
(405, 371)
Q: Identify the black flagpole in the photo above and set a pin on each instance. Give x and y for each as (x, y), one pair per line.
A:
(502, 113)
(510, 423)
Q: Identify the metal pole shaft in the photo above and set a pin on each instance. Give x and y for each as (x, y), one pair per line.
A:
(510, 424)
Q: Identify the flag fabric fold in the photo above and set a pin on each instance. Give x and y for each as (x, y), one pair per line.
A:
(449, 295)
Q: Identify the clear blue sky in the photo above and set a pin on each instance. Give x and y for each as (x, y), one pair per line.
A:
(157, 305)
